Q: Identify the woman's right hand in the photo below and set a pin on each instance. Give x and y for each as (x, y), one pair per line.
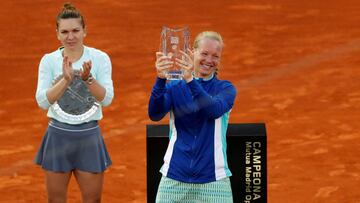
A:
(163, 64)
(187, 64)
(67, 69)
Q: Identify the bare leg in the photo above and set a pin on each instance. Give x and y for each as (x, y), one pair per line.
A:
(56, 185)
(90, 185)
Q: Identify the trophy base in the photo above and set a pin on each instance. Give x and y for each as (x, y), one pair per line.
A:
(174, 75)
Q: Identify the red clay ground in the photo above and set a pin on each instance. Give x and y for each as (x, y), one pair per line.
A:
(295, 65)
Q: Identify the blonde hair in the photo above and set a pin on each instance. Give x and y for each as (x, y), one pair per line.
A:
(208, 35)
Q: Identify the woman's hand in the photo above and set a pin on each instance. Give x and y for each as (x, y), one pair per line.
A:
(68, 72)
(85, 72)
(187, 65)
(163, 64)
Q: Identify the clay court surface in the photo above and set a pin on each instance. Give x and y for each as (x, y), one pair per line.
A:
(295, 65)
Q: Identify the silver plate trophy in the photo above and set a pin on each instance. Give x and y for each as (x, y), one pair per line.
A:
(171, 42)
(77, 103)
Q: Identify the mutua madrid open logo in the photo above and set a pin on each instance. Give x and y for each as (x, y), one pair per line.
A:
(255, 172)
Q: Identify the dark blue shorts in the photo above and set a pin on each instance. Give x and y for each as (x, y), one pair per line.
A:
(68, 147)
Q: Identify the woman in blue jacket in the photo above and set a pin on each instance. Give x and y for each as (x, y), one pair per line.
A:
(195, 166)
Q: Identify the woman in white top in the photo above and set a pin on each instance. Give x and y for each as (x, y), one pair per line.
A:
(73, 146)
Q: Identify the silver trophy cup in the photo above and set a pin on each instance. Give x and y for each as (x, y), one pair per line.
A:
(77, 103)
(171, 42)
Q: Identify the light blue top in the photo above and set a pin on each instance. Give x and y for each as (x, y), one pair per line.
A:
(51, 67)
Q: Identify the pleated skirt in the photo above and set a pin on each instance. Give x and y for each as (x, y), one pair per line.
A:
(68, 147)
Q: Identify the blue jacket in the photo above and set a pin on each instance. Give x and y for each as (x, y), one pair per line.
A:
(199, 114)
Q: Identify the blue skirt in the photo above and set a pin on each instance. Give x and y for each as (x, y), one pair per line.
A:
(68, 147)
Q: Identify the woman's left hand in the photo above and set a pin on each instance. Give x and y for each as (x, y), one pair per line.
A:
(187, 65)
(85, 72)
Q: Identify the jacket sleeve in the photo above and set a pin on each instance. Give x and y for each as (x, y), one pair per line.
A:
(104, 78)
(44, 83)
(160, 102)
(213, 106)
